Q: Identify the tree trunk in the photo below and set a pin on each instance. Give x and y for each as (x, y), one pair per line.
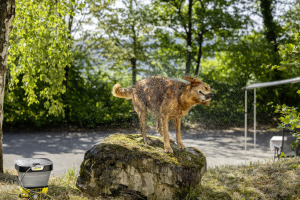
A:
(134, 47)
(67, 70)
(200, 42)
(7, 14)
(271, 32)
(134, 70)
(189, 40)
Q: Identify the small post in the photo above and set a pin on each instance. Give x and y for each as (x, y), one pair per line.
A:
(245, 122)
(254, 128)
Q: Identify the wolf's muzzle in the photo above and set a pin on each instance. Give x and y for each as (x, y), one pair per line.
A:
(209, 96)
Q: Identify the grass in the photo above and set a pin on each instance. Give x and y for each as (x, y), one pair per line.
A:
(60, 188)
(271, 180)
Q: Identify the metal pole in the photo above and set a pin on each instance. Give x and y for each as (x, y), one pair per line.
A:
(246, 122)
(254, 121)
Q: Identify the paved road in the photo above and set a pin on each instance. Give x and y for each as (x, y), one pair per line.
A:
(66, 149)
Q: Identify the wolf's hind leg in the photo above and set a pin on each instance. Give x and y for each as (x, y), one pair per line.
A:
(141, 110)
(142, 113)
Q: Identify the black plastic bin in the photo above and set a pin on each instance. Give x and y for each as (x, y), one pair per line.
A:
(34, 172)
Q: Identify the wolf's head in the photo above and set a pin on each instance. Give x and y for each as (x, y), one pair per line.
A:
(199, 91)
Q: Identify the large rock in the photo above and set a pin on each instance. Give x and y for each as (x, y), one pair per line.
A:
(124, 165)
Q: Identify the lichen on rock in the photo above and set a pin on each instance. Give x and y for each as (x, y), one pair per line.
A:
(124, 164)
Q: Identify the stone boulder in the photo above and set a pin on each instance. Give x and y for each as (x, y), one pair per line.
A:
(122, 165)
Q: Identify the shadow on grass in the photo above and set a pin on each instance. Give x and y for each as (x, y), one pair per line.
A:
(63, 192)
(209, 193)
(8, 178)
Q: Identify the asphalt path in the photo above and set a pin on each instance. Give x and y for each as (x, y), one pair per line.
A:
(66, 149)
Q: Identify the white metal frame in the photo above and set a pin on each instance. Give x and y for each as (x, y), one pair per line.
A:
(254, 87)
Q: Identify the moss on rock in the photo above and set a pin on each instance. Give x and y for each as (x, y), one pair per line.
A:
(135, 143)
(125, 161)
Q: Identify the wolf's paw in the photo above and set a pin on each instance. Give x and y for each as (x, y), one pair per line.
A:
(168, 150)
(181, 146)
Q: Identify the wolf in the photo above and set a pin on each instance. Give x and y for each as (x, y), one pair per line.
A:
(166, 99)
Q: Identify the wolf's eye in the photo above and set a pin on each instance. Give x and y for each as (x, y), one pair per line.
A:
(201, 92)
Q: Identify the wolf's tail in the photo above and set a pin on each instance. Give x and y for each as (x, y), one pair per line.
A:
(125, 93)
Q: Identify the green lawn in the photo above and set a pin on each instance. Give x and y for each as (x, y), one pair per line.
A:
(271, 180)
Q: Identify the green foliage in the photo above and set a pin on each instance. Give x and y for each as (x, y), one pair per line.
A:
(96, 104)
(39, 53)
(289, 118)
(88, 99)
(55, 78)
(232, 70)
(290, 57)
(246, 62)
(189, 30)
(227, 106)
(123, 35)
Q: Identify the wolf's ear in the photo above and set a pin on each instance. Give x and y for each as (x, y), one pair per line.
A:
(188, 78)
(194, 81)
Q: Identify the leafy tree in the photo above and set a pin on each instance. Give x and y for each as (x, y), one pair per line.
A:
(40, 51)
(290, 118)
(91, 102)
(178, 15)
(290, 115)
(289, 51)
(271, 27)
(198, 23)
(219, 21)
(7, 15)
(52, 73)
(123, 35)
(243, 62)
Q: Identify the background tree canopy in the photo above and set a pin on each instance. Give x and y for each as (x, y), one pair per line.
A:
(65, 56)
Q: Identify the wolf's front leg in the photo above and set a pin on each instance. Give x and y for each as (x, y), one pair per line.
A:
(178, 133)
(159, 128)
(165, 133)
